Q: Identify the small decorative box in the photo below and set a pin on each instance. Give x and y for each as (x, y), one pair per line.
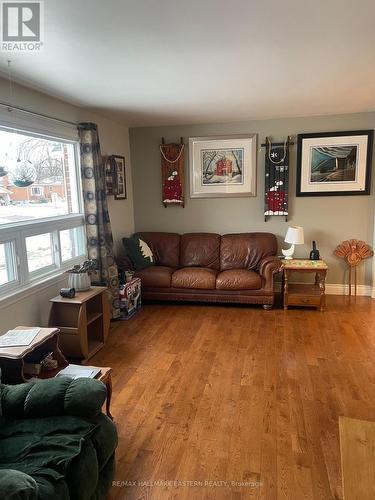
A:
(130, 298)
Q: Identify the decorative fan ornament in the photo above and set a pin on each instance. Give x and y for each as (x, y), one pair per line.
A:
(353, 252)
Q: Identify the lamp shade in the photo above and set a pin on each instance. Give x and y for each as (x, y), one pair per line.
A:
(294, 235)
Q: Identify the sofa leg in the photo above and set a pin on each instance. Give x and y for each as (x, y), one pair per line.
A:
(267, 307)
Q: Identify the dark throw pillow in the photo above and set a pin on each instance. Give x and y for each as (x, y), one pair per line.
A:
(138, 252)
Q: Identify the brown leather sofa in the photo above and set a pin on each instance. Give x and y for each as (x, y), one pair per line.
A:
(207, 267)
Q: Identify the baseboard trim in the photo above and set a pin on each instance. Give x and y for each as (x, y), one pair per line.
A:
(339, 289)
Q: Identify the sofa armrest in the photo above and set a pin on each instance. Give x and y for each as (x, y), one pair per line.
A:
(82, 397)
(124, 263)
(268, 267)
(16, 485)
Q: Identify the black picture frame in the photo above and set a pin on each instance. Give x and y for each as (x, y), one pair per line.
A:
(109, 176)
(367, 163)
(120, 191)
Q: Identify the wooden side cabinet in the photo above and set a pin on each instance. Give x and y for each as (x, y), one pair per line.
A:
(304, 294)
(83, 322)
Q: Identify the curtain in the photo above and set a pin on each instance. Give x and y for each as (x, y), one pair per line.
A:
(98, 225)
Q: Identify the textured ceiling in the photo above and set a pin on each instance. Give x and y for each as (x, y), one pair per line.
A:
(172, 62)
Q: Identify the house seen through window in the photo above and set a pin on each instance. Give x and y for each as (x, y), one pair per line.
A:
(41, 221)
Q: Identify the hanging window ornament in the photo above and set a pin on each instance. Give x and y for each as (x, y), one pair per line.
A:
(276, 178)
(24, 174)
(172, 167)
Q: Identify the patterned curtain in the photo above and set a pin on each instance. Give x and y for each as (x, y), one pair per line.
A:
(98, 225)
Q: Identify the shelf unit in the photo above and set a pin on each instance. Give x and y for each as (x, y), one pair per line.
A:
(83, 322)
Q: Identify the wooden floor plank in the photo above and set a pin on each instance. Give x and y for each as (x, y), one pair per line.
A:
(357, 442)
(233, 402)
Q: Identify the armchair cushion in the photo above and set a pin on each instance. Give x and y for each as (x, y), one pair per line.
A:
(16, 485)
(82, 397)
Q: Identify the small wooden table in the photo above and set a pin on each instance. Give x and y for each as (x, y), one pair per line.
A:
(309, 294)
(12, 359)
(105, 376)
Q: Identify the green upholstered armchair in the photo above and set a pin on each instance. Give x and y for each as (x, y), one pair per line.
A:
(54, 441)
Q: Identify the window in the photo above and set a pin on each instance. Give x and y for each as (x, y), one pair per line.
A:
(41, 220)
(8, 273)
(36, 191)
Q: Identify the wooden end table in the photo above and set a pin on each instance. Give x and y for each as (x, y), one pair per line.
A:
(301, 294)
(12, 359)
(83, 322)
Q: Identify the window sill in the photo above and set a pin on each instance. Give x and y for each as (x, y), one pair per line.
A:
(32, 288)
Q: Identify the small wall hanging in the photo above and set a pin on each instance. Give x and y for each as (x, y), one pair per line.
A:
(353, 251)
(109, 167)
(172, 172)
(276, 178)
(120, 177)
(115, 176)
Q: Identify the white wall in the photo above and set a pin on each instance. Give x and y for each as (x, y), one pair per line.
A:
(326, 219)
(114, 139)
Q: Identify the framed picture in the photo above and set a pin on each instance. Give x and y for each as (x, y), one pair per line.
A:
(109, 176)
(223, 166)
(120, 177)
(334, 163)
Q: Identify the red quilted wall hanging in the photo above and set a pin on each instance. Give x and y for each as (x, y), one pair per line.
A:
(172, 170)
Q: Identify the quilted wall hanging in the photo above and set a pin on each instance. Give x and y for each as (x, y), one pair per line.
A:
(172, 171)
(276, 178)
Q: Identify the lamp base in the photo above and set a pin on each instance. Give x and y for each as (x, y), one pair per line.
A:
(288, 254)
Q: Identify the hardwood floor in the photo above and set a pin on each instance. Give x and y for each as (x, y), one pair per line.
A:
(245, 398)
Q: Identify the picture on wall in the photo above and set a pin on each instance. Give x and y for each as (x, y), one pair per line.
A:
(120, 177)
(222, 166)
(334, 163)
(109, 175)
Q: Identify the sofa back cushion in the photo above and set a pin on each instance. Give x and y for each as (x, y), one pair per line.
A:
(200, 250)
(246, 250)
(165, 247)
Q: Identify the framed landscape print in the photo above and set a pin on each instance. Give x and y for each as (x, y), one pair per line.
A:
(120, 177)
(334, 163)
(222, 166)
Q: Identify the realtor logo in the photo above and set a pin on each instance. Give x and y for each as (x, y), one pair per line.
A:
(22, 26)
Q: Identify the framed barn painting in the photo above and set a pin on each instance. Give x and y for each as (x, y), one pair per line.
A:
(334, 163)
(223, 166)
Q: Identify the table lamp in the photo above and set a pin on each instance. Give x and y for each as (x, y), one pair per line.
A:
(294, 235)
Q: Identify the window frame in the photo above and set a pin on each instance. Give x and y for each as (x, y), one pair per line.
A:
(17, 232)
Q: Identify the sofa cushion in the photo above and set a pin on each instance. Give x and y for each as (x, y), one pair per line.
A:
(194, 277)
(139, 252)
(246, 250)
(238, 279)
(164, 246)
(156, 276)
(200, 250)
